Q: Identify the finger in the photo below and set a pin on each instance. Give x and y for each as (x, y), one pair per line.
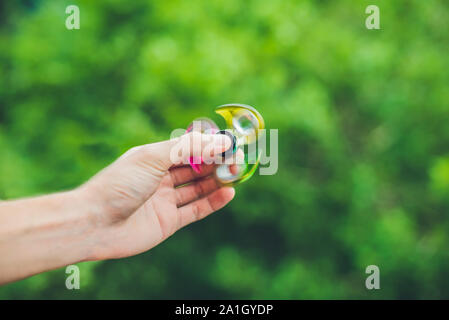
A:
(194, 144)
(193, 191)
(201, 208)
(237, 160)
(183, 174)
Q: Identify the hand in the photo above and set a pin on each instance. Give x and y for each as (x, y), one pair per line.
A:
(147, 195)
(127, 208)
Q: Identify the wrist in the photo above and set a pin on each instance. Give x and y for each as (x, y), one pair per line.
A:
(80, 225)
(91, 220)
(100, 230)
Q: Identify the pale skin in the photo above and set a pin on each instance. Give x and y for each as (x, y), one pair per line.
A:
(127, 208)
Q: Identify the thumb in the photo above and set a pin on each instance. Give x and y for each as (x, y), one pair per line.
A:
(194, 144)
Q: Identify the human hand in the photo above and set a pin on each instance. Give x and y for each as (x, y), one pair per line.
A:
(147, 194)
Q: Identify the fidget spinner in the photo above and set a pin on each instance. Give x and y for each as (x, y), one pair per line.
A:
(243, 126)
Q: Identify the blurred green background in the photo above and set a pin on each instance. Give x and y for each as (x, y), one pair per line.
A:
(363, 138)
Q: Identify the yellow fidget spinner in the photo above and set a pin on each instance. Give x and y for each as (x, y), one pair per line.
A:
(244, 125)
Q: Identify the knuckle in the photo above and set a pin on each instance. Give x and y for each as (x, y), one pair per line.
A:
(199, 188)
(196, 211)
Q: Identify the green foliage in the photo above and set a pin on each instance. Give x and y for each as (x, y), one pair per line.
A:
(363, 134)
